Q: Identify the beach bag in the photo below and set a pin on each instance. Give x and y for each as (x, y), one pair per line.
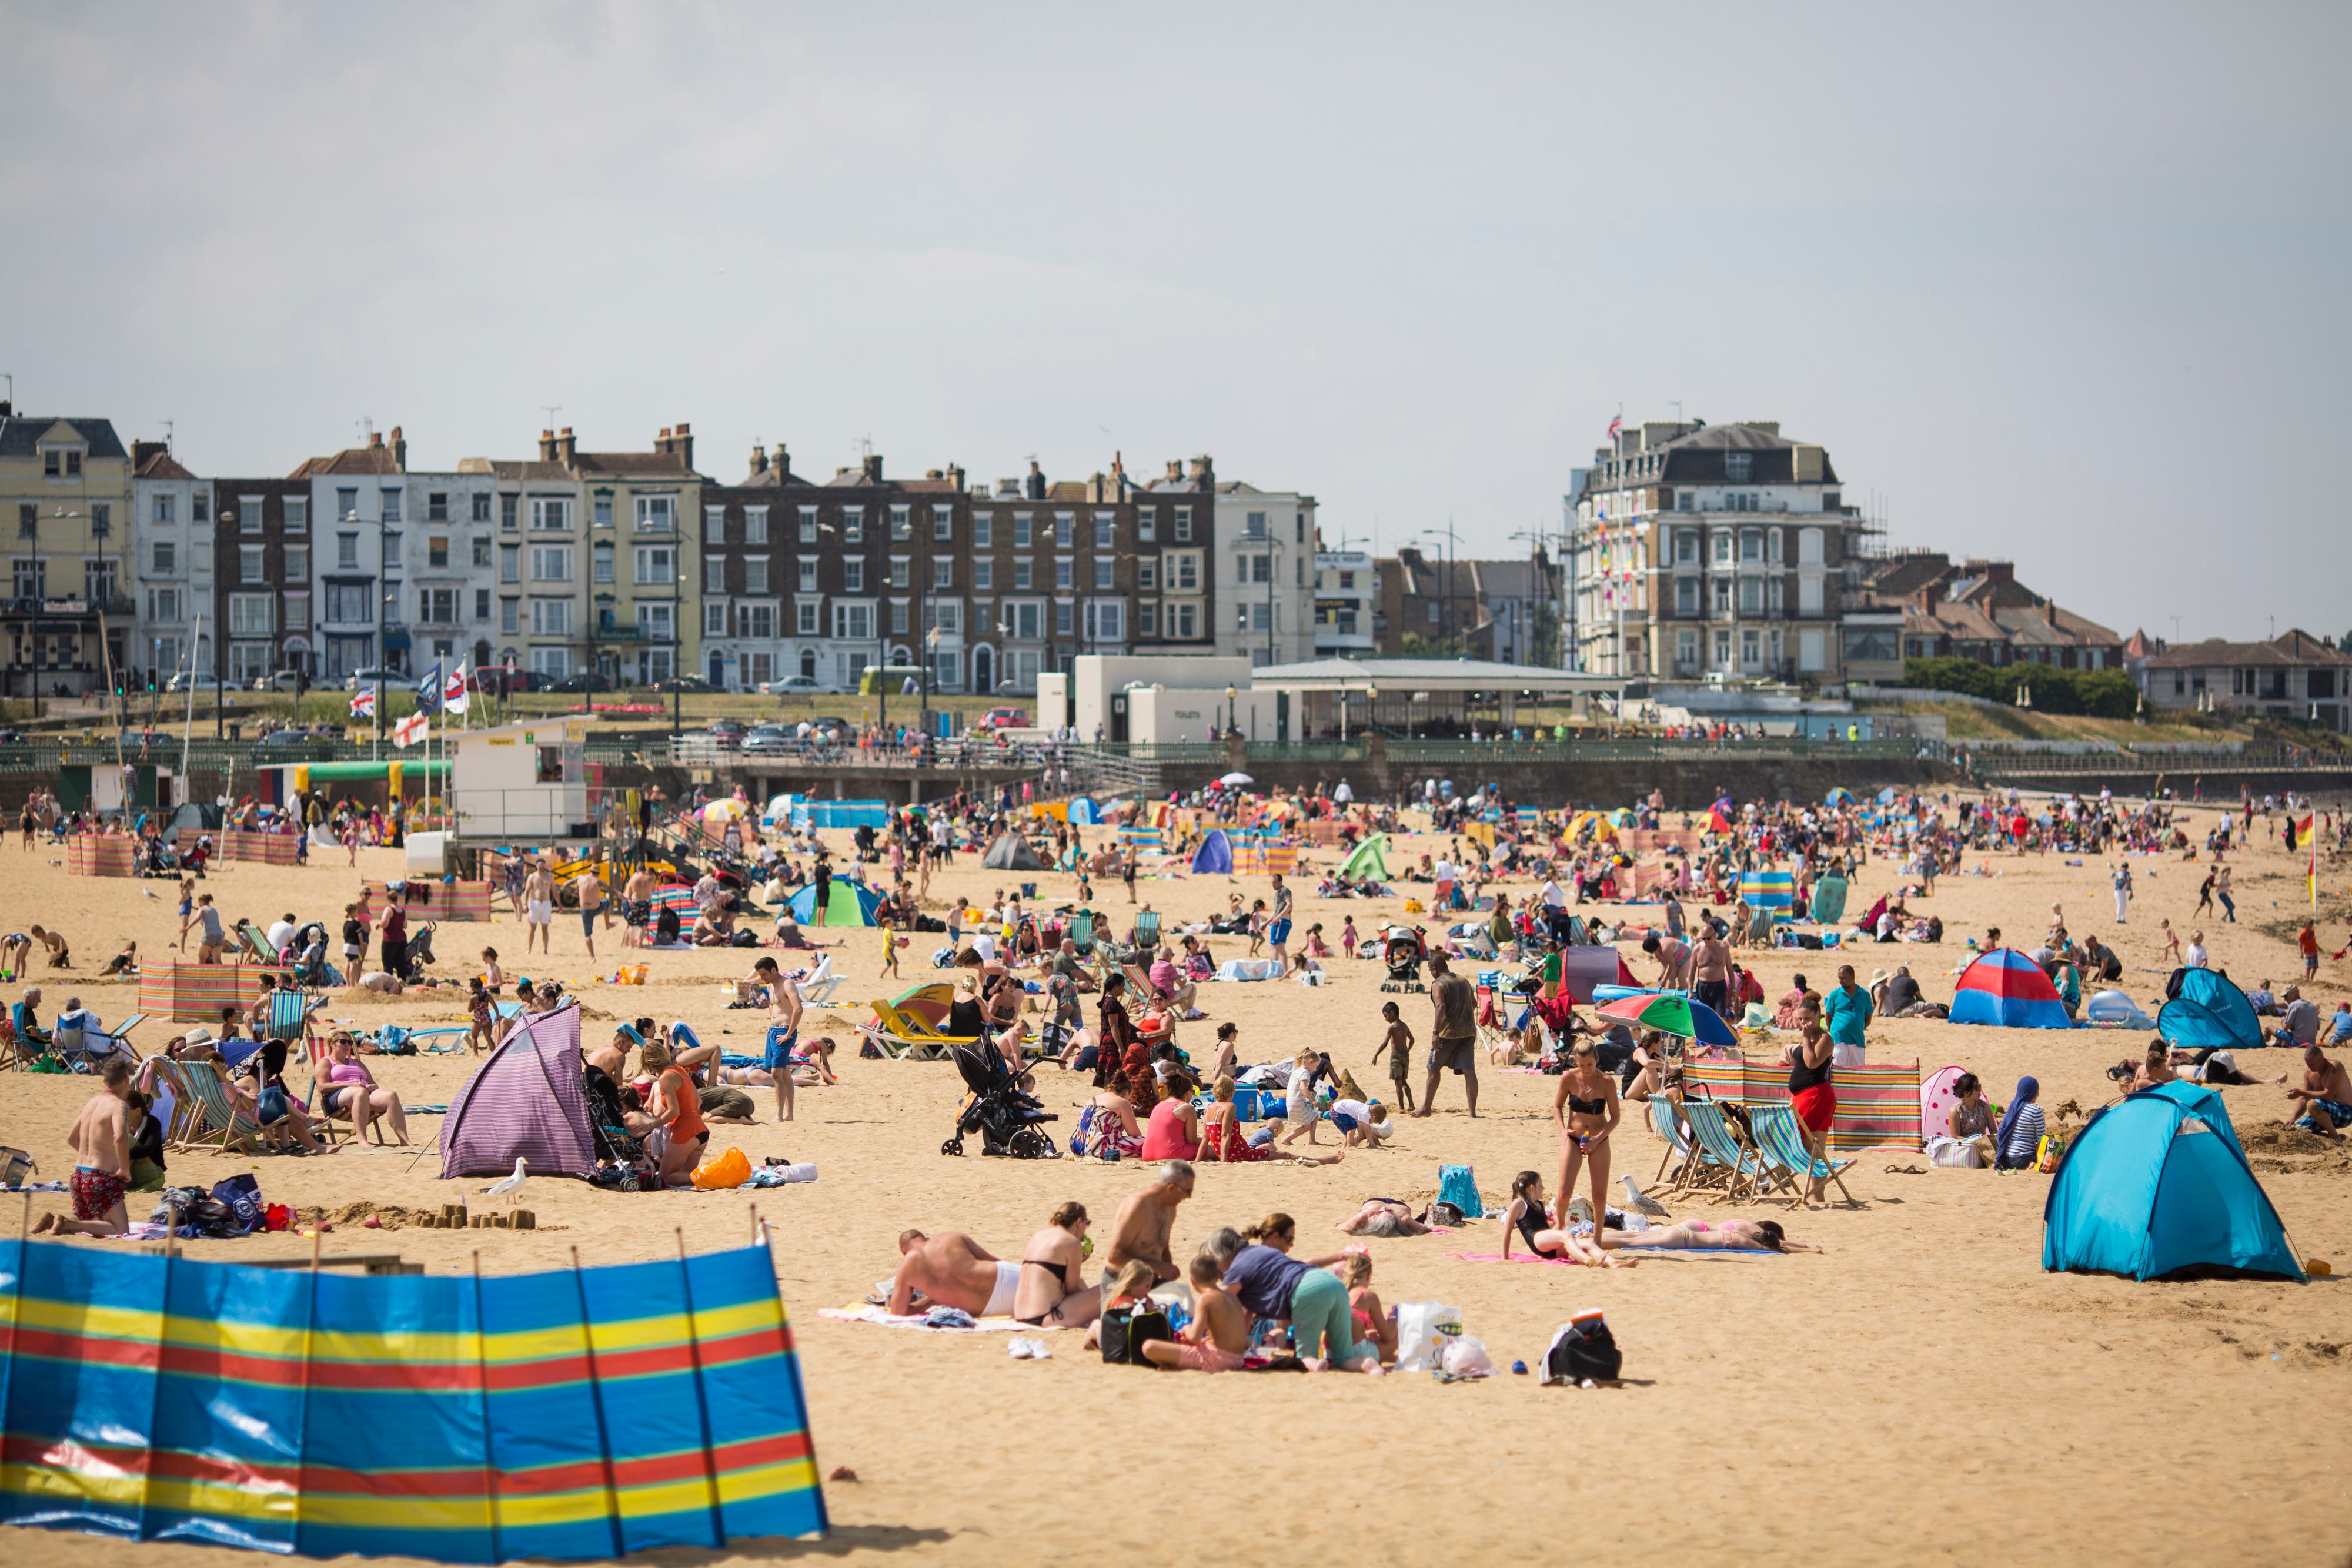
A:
(1582, 1348)
(728, 1168)
(14, 1165)
(241, 1195)
(1127, 1330)
(1955, 1152)
(1424, 1330)
(1458, 1185)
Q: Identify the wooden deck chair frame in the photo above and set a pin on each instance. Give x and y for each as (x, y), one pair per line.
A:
(14, 1052)
(1081, 930)
(253, 942)
(187, 1114)
(1783, 1148)
(218, 1125)
(1725, 1146)
(1146, 928)
(1681, 1148)
(335, 1131)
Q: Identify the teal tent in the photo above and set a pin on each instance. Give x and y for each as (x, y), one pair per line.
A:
(846, 903)
(1083, 813)
(2157, 1183)
(1828, 905)
(1215, 855)
(2207, 1010)
(1370, 859)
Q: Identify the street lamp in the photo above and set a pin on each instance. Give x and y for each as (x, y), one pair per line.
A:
(1452, 542)
(1231, 693)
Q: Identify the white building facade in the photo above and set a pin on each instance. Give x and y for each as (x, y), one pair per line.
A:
(1265, 560)
(1346, 599)
(171, 528)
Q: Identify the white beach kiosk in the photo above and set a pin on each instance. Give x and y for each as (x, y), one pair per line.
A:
(522, 782)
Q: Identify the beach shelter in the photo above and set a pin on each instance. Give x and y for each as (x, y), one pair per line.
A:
(1939, 1096)
(2157, 1183)
(1215, 855)
(525, 1102)
(1370, 859)
(2208, 1009)
(1770, 890)
(1841, 796)
(1010, 852)
(1828, 906)
(1083, 812)
(1582, 967)
(2006, 987)
(846, 903)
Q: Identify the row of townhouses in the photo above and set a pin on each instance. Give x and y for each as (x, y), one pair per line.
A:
(634, 567)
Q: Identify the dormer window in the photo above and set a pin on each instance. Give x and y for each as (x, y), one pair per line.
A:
(1738, 468)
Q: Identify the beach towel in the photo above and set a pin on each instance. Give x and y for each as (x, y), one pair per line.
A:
(867, 1312)
(1646, 1254)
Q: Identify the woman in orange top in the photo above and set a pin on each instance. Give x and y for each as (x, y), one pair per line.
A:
(677, 1110)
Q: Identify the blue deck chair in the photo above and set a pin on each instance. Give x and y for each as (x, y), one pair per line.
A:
(1783, 1148)
(1722, 1145)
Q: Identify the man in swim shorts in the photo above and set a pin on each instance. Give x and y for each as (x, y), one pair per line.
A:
(537, 905)
(2326, 1097)
(101, 1141)
(951, 1270)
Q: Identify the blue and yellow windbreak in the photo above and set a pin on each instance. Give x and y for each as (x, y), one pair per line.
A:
(584, 1413)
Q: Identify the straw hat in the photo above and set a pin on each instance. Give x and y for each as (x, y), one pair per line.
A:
(1879, 976)
(199, 1035)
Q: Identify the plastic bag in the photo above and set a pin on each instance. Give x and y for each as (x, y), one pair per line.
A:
(1465, 1357)
(727, 1168)
(1424, 1330)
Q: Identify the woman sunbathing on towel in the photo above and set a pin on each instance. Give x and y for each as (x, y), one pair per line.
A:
(1527, 1216)
(1382, 1217)
(1716, 1236)
(1052, 1291)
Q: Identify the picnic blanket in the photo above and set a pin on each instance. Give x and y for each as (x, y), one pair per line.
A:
(867, 1312)
(1645, 1253)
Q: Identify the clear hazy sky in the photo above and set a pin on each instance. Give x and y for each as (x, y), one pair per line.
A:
(2061, 283)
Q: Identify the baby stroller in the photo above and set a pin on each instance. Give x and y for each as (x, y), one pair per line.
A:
(1401, 949)
(997, 1109)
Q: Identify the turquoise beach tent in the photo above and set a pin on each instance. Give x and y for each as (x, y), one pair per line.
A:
(1829, 901)
(1215, 855)
(1082, 812)
(847, 903)
(2209, 1011)
(2156, 1184)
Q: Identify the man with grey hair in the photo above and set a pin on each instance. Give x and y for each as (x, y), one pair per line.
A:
(1141, 1228)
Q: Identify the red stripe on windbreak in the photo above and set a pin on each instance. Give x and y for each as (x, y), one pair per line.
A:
(54, 1345)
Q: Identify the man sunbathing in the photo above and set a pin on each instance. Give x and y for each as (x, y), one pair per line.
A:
(1141, 1229)
(1382, 1217)
(2326, 1097)
(951, 1270)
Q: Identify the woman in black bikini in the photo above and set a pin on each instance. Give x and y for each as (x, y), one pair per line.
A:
(1587, 1108)
(1051, 1290)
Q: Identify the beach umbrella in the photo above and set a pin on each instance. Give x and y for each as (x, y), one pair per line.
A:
(1237, 778)
(1841, 796)
(1621, 817)
(724, 811)
(1670, 1012)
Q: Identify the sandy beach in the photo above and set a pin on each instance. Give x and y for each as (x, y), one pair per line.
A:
(1923, 1382)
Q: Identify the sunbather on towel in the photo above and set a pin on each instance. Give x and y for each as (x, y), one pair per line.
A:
(1053, 1293)
(1531, 1222)
(1382, 1217)
(951, 1270)
(1715, 1236)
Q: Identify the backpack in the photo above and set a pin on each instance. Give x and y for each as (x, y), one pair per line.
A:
(1127, 1330)
(1582, 1349)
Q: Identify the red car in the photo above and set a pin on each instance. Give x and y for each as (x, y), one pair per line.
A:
(1005, 719)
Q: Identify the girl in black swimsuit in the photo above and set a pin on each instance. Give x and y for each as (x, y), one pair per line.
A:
(1527, 1217)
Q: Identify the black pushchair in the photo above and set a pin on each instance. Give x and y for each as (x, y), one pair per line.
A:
(1005, 1117)
(1401, 948)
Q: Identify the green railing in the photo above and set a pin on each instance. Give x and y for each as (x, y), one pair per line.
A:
(1644, 750)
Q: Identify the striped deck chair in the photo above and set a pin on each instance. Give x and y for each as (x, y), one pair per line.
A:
(1723, 1147)
(187, 1115)
(1783, 1149)
(333, 1130)
(220, 1124)
(1681, 1152)
(253, 942)
(1147, 929)
(289, 1018)
(1082, 930)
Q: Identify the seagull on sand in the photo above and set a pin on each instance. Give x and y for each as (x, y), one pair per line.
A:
(1635, 1199)
(512, 1184)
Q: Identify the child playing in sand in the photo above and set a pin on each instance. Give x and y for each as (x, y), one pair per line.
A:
(1218, 1335)
(1398, 1043)
(493, 977)
(478, 1004)
(1373, 1324)
(2171, 953)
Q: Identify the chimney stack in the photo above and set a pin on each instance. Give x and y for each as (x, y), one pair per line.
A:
(547, 446)
(1204, 473)
(140, 451)
(1036, 486)
(399, 450)
(758, 460)
(1175, 470)
(375, 440)
(870, 466)
(565, 446)
(955, 476)
(682, 444)
(784, 464)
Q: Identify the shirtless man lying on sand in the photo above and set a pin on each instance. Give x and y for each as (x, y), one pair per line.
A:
(951, 1270)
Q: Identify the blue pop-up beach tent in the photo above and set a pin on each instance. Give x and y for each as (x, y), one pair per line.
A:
(2157, 1183)
(1215, 855)
(2208, 1011)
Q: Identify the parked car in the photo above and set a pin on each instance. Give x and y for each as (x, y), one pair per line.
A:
(390, 678)
(834, 728)
(501, 680)
(1005, 719)
(769, 739)
(728, 732)
(681, 683)
(197, 681)
(582, 683)
(794, 685)
(281, 681)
